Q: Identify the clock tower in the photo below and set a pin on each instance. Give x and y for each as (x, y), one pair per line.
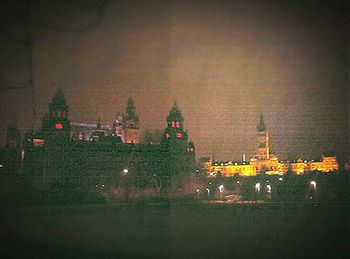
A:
(55, 124)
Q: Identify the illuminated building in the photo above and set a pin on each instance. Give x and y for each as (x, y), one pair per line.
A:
(174, 133)
(84, 131)
(176, 139)
(126, 126)
(98, 133)
(264, 161)
(51, 157)
(229, 169)
(328, 164)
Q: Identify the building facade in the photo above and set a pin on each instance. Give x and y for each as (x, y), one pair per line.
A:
(264, 161)
(81, 162)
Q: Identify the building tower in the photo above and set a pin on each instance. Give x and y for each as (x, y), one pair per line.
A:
(175, 138)
(263, 140)
(126, 126)
(131, 121)
(98, 133)
(264, 161)
(55, 124)
(118, 128)
(174, 133)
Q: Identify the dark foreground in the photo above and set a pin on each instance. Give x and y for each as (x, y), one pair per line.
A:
(171, 230)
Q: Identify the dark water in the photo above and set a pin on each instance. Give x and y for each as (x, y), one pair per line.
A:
(176, 231)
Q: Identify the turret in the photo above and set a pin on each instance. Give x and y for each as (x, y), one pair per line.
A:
(55, 123)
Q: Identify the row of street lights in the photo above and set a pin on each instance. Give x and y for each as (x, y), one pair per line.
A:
(257, 187)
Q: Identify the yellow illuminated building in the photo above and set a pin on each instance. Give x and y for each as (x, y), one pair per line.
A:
(264, 161)
(229, 169)
(267, 163)
(328, 164)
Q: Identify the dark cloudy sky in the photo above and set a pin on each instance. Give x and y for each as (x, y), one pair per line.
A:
(223, 62)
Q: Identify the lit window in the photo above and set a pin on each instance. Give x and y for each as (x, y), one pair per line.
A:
(177, 124)
(59, 126)
(167, 135)
(179, 135)
(173, 124)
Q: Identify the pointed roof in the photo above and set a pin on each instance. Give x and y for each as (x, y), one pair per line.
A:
(59, 97)
(98, 124)
(58, 100)
(175, 114)
(130, 110)
(261, 125)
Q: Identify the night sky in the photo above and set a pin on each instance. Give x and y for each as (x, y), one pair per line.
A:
(222, 62)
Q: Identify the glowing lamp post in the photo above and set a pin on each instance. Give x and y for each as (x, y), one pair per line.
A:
(221, 189)
(268, 188)
(208, 190)
(313, 185)
(125, 171)
(257, 187)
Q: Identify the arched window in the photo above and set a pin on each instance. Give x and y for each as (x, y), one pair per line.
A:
(177, 124)
(173, 124)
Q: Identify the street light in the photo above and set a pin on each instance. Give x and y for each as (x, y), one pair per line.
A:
(257, 187)
(207, 189)
(268, 187)
(125, 171)
(221, 189)
(313, 184)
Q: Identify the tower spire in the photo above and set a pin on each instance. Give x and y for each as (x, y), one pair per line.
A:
(261, 127)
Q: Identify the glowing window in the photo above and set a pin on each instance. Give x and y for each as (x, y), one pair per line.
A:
(179, 135)
(59, 126)
(167, 135)
(177, 124)
(173, 124)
